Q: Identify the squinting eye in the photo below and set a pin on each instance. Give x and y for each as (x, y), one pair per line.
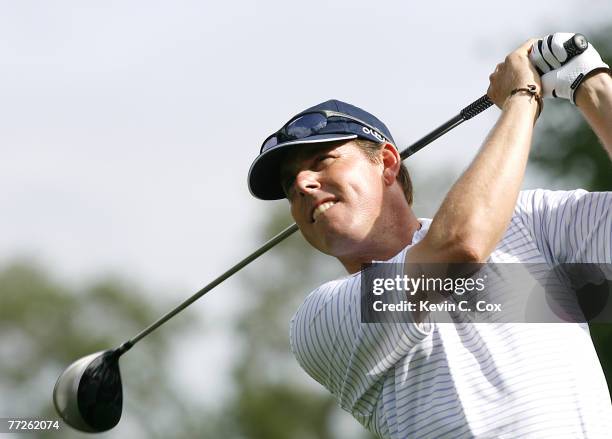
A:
(322, 161)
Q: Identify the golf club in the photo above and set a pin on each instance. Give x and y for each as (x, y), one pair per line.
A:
(88, 394)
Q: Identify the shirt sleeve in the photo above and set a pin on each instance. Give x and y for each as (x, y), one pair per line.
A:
(569, 226)
(348, 357)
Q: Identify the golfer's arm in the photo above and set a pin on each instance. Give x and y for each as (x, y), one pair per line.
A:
(477, 210)
(594, 99)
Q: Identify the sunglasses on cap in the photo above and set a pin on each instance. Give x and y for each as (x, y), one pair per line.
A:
(312, 123)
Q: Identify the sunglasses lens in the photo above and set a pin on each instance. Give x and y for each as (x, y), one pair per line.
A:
(306, 125)
(269, 143)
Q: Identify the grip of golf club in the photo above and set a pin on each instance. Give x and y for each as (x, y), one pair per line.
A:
(476, 107)
(574, 46)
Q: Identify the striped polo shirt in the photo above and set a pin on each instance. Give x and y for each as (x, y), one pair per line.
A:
(484, 380)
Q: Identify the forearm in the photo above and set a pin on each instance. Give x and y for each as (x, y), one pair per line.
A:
(594, 99)
(477, 210)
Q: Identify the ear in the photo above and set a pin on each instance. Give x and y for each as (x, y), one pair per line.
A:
(392, 162)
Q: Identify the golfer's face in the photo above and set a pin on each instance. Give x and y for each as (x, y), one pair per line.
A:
(335, 194)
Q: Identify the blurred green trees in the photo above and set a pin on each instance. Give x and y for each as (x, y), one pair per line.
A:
(45, 325)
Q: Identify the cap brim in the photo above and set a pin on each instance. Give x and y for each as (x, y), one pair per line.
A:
(264, 175)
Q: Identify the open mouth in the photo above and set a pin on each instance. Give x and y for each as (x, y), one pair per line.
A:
(321, 208)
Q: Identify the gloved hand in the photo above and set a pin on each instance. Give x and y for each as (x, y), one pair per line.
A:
(562, 77)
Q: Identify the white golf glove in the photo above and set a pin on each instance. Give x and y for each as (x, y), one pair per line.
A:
(560, 76)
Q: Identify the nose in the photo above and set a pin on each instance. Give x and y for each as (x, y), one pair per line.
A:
(306, 182)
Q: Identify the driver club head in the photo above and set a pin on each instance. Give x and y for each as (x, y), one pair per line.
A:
(88, 394)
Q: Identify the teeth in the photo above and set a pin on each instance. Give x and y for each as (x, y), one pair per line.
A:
(322, 208)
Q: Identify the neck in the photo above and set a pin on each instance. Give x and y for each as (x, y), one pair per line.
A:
(388, 240)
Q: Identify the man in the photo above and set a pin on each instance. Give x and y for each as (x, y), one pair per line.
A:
(351, 198)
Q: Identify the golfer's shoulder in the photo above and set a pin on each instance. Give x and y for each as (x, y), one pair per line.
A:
(545, 200)
(329, 303)
(333, 292)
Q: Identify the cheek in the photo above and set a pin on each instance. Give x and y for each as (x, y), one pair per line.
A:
(360, 208)
(299, 218)
(366, 188)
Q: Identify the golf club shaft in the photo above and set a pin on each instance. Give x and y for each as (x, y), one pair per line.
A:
(468, 112)
(476, 107)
